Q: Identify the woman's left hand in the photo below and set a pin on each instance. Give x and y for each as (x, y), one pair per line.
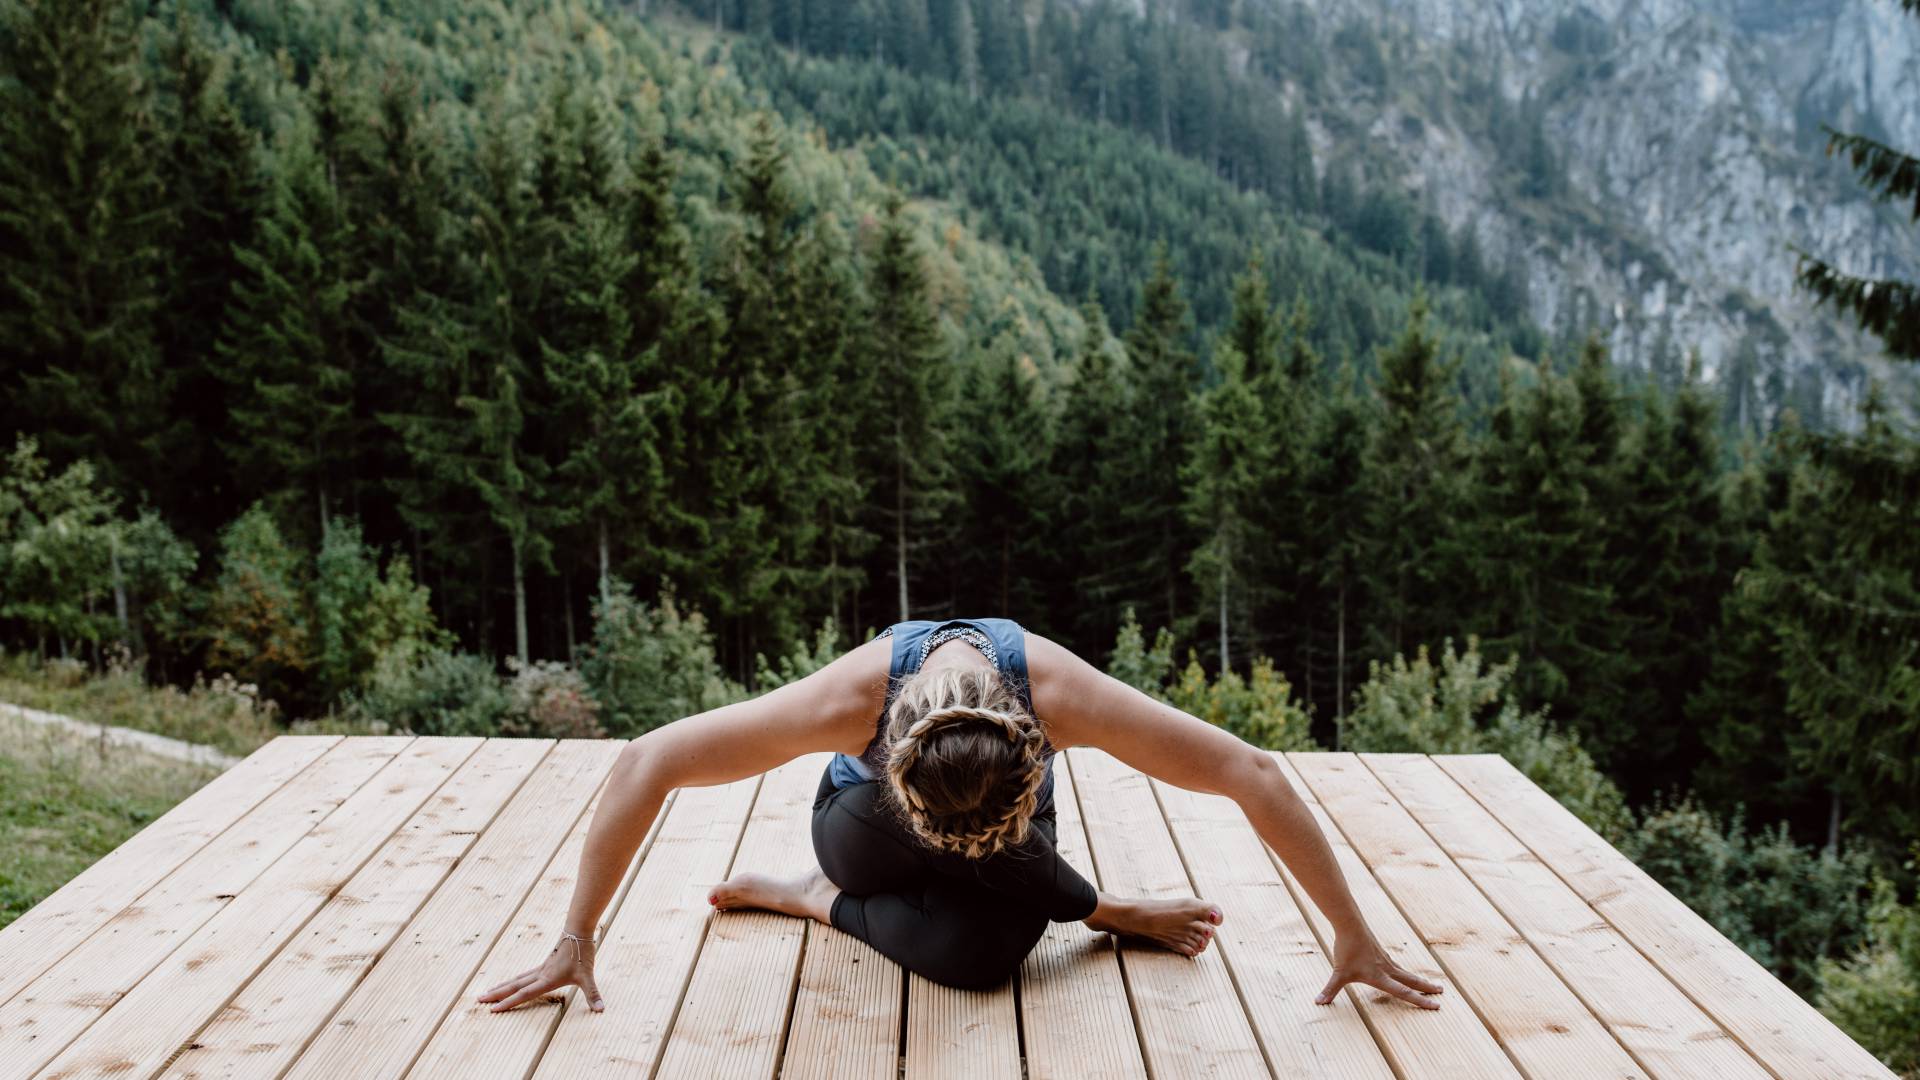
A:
(1360, 959)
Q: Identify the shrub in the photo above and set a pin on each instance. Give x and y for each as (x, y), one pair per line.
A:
(1259, 708)
(802, 661)
(1462, 707)
(1136, 665)
(1875, 993)
(1788, 906)
(548, 699)
(651, 665)
(224, 713)
(256, 620)
(437, 693)
(361, 616)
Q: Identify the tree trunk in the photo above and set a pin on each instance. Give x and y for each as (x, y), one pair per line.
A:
(606, 584)
(1166, 542)
(566, 600)
(519, 602)
(833, 572)
(900, 513)
(1340, 669)
(1225, 661)
(1833, 823)
(1006, 575)
(119, 589)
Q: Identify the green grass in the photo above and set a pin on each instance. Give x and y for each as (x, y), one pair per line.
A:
(65, 802)
(221, 714)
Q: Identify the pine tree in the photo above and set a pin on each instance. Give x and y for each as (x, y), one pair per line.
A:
(1538, 581)
(1089, 494)
(1335, 511)
(1672, 558)
(1738, 708)
(1846, 619)
(1158, 438)
(1886, 308)
(1223, 478)
(904, 344)
(81, 218)
(1416, 468)
(215, 190)
(770, 529)
(469, 347)
(614, 240)
(284, 343)
(1001, 445)
(846, 415)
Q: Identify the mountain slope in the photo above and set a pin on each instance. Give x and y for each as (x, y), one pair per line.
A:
(1689, 138)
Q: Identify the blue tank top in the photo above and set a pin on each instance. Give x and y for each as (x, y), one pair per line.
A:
(912, 641)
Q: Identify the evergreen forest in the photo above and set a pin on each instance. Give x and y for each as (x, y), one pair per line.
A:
(560, 367)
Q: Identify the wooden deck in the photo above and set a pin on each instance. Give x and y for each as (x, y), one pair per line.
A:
(330, 907)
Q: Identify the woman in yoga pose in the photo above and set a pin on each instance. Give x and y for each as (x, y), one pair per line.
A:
(934, 826)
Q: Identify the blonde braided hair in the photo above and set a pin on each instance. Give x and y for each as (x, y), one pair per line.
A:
(964, 760)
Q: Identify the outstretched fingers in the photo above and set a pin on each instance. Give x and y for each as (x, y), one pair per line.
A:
(526, 992)
(1425, 986)
(1393, 986)
(1396, 981)
(502, 989)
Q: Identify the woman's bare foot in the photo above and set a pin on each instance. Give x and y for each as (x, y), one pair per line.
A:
(1184, 925)
(809, 896)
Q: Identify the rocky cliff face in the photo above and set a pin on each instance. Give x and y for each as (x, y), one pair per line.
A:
(1689, 136)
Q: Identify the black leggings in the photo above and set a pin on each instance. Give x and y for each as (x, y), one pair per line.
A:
(960, 922)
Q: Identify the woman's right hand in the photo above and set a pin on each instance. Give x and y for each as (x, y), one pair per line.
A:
(569, 964)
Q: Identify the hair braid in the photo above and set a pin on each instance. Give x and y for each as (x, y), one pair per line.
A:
(975, 728)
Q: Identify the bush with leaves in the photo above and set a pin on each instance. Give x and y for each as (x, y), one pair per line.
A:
(1463, 706)
(803, 660)
(649, 664)
(549, 700)
(1875, 993)
(1134, 663)
(437, 693)
(1259, 708)
(1788, 906)
(53, 549)
(255, 619)
(361, 616)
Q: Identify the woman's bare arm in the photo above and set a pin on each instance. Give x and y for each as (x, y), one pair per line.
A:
(832, 709)
(1085, 706)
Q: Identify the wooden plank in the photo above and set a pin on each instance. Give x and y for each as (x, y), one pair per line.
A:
(846, 1013)
(473, 1039)
(1276, 961)
(1664, 1031)
(50, 929)
(1188, 1014)
(651, 945)
(73, 993)
(263, 1029)
(733, 1016)
(1776, 1026)
(1073, 1000)
(1546, 1029)
(961, 1034)
(1449, 1041)
(139, 1033)
(383, 1024)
